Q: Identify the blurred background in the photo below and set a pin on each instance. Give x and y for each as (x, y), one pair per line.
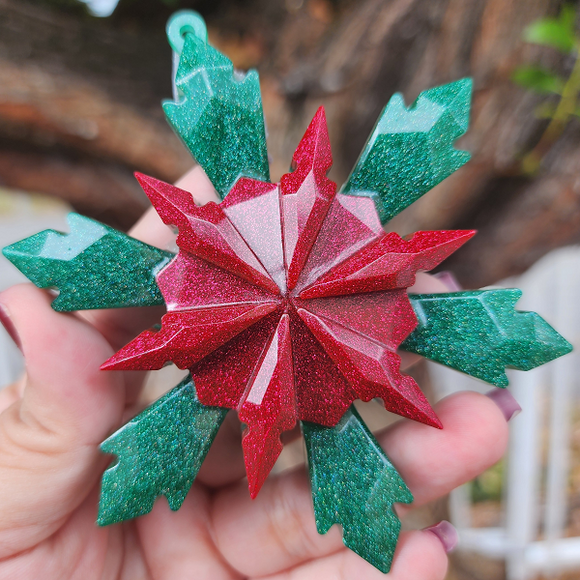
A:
(80, 89)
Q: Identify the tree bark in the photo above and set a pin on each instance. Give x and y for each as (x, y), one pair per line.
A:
(79, 111)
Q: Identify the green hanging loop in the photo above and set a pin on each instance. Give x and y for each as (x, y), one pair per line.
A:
(182, 23)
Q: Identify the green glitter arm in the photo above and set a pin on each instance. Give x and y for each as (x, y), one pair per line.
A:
(159, 453)
(481, 333)
(411, 149)
(355, 485)
(94, 266)
(219, 116)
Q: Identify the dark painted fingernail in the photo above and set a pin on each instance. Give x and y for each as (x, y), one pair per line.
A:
(449, 279)
(9, 326)
(505, 401)
(446, 533)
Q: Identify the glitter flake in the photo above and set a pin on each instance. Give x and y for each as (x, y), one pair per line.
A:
(355, 485)
(481, 333)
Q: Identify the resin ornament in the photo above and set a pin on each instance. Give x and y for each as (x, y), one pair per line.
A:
(286, 301)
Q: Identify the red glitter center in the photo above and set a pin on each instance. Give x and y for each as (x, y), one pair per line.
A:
(288, 302)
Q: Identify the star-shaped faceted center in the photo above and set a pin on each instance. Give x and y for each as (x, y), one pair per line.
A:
(287, 302)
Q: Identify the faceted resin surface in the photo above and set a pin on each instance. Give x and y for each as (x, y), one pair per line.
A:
(288, 302)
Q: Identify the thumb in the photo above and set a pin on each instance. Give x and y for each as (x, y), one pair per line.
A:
(49, 456)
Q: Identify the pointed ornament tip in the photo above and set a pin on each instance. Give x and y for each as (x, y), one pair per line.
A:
(314, 147)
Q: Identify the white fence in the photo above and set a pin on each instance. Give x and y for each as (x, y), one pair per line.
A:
(532, 539)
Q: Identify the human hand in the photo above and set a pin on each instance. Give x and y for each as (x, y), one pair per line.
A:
(53, 421)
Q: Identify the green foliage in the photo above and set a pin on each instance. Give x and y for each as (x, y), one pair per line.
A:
(538, 79)
(545, 111)
(555, 32)
(489, 485)
(558, 33)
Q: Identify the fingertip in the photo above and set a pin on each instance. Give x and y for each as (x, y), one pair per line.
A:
(506, 402)
(477, 428)
(8, 324)
(479, 420)
(433, 462)
(199, 185)
(446, 534)
(15, 303)
(420, 554)
(151, 230)
(24, 291)
(43, 331)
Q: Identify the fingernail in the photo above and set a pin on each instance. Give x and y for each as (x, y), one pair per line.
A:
(446, 533)
(9, 326)
(449, 279)
(506, 403)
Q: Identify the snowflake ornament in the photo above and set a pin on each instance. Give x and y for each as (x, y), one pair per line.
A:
(286, 302)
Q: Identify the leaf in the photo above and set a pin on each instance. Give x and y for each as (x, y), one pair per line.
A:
(219, 116)
(94, 266)
(545, 111)
(568, 15)
(555, 32)
(411, 149)
(480, 333)
(159, 453)
(538, 79)
(550, 32)
(355, 485)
